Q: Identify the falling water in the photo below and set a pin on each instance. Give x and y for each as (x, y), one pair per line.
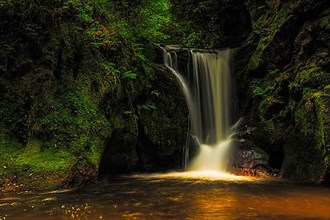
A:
(207, 90)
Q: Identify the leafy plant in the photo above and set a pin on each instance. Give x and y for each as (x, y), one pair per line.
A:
(130, 75)
(259, 91)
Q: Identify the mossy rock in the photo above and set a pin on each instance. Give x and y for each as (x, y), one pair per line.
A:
(163, 123)
(306, 156)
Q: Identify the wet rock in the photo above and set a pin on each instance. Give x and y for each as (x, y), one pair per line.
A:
(80, 173)
(251, 162)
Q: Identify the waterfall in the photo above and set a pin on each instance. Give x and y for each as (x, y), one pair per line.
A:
(208, 93)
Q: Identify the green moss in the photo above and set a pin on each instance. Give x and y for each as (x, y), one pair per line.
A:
(267, 25)
(257, 58)
(41, 160)
(305, 153)
(30, 166)
(312, 77)
(259, 91)
(74, 123)
(32, 156)
(95, 152)
(163, 114)
(315, 102)
(322, 104)
(70, 71)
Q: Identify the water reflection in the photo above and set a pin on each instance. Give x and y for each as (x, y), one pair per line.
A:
(172, 196)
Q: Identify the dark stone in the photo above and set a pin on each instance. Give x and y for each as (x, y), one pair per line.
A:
(212, 24)
(119, 155)
(250, 161)
(162, 131)
(303, 148)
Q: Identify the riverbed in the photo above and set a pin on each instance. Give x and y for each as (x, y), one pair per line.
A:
(174, 196)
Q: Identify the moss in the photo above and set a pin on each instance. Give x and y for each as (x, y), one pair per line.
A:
(72, 75)
(294, 111)
(315, 102)
(269, 24)
(305, 154)
(72, 122)
(322, 113)
(259, 91)
(257, 58)
(311, 77)
(68, 126)
(30, 166)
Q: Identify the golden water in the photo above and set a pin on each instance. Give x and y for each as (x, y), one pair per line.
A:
(190, 195)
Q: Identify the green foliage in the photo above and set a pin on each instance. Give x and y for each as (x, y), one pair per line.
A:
(144, 20)
(153, 16)
(74, 123)
(192, 38)
(32, 158)
(48, 45)
(312, 77)
(71, 73)
(259, 91)
(307, 143)
(130, 75)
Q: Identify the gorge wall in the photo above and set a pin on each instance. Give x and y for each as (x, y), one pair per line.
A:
(78, 96)
(282, 63)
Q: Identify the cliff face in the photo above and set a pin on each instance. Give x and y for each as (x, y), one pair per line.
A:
(77, 93)
(285, 85)
(282, 63)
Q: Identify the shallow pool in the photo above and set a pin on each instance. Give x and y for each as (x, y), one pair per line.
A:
(174, 196)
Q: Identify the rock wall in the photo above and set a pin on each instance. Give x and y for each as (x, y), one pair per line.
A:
(79, 98)
(284, 69)
(150, 135)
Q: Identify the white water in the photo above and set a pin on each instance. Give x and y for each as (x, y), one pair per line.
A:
(207, 90)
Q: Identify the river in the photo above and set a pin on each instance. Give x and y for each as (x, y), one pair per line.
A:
(174, 196)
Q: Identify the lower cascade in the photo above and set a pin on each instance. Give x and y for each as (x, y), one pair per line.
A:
(208, 90)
